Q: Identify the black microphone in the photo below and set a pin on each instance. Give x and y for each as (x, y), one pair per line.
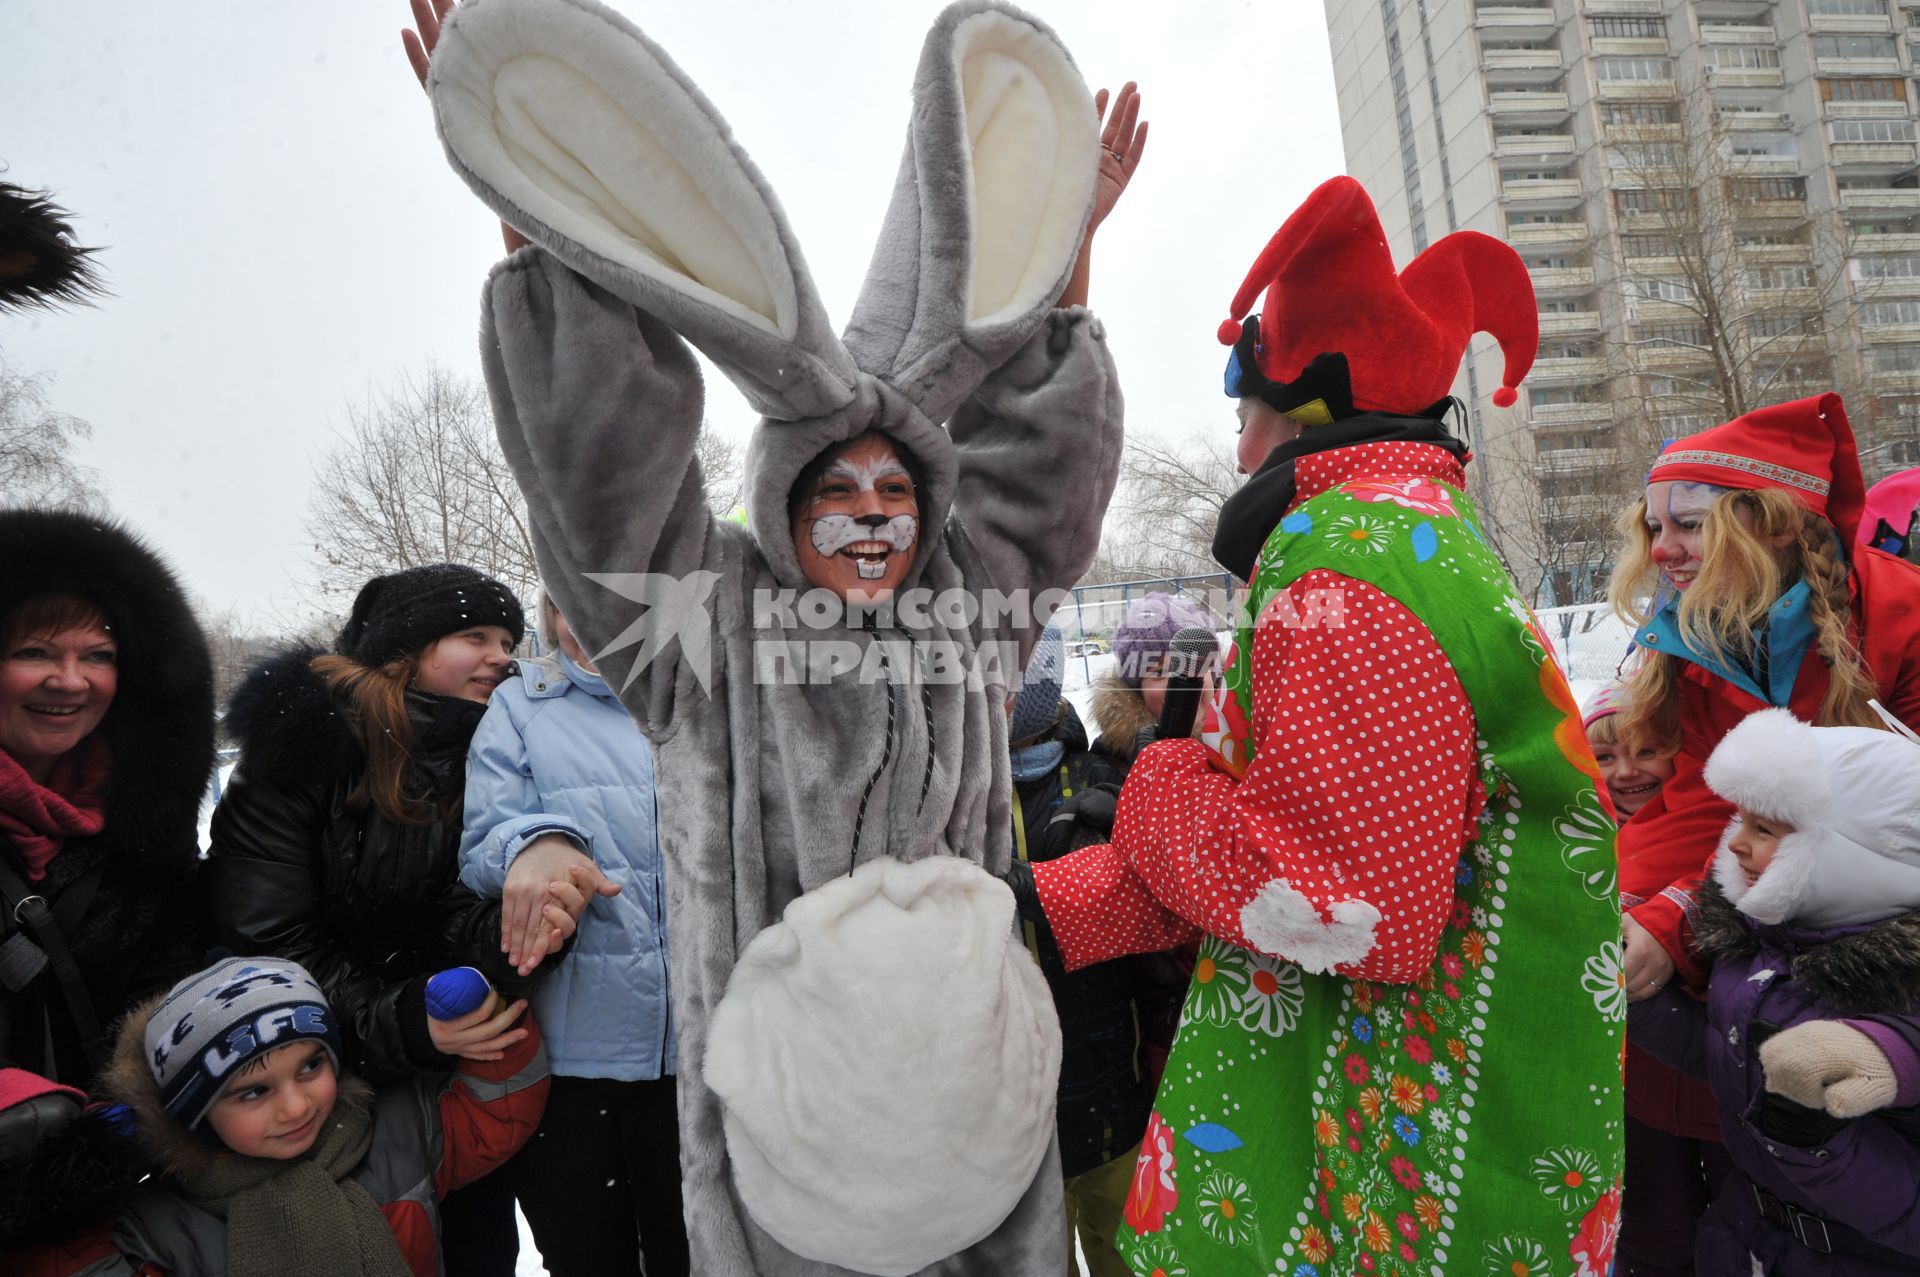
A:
(1190, 655)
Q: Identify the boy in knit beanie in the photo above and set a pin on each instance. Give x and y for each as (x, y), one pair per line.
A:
(270, 1159)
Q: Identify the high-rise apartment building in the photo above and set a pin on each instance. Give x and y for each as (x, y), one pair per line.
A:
(1717, 199)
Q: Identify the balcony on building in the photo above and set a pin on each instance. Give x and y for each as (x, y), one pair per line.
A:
(1671, 357)
(1743, 33)
(1870, 16)
(1882, 237)
(1556, 416)
(1553, 370)
(1774, 254)
(1586, 505)
(1570, 323)
(1864, 158)
(1636, 90)
(1528, 106)
(1515, 21)
(1876, 199)
(1541, 192)
(1561, 281)
(1533, 146)
(1627, 8)
(1743, 77)
(1558, 233)
(1516, 64)
(1729, 11)
(1746, 120)
(1576, 460)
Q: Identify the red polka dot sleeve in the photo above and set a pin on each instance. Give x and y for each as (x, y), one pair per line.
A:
(1339, 846)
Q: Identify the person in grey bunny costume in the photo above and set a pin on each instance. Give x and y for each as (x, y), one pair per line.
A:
(859, 1026)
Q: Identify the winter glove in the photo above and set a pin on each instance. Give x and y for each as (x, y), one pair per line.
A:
(33, 1124)
(1093, 808)
(1824, 1064)
(1033, 918)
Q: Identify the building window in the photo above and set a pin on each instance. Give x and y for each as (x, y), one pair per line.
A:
(1870, 131)
(1627, 28)
(1647, 155)
(1660, 288)
(1893, 266)
(1633, 68)
(1745, 57)
(1650, 245)
(1642, 114)
(1766, 239)
(1773, 278)
(1863, 90)
(1853, 46)
(1655, 199)
(1766, 188)
(1848, 8)
(1551, 396)
(1763, 146)
(1889, 314)
(1901, 358)
(1763, 326)
(1667, 336)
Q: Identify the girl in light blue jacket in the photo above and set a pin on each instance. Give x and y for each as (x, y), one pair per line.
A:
(559, 784)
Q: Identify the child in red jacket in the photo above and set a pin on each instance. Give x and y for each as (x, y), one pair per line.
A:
(272, 1160)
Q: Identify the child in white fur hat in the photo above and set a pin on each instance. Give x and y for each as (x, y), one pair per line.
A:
(1810, 1034)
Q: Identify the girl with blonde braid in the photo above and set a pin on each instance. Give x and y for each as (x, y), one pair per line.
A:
(1736, 574)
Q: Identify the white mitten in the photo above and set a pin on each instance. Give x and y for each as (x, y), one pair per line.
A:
(1824, 1064)
(887, 1057)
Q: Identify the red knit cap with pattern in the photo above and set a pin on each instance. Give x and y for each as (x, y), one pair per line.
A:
(1804, 447)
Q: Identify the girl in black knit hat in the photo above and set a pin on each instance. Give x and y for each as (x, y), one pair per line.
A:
(337, 842)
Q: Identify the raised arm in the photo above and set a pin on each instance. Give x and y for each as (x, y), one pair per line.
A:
(598, 407)
(1039, 442)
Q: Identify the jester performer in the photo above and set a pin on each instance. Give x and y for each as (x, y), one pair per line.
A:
(1400, 1052)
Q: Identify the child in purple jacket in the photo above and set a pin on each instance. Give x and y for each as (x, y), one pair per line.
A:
(1810, 1034)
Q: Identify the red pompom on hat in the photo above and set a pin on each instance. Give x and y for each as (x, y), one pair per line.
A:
(1804, 447)
(1331, 288)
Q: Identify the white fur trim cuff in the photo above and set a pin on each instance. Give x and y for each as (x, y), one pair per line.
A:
(1285, 924)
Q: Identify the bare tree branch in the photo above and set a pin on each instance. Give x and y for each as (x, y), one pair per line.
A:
(36, 447)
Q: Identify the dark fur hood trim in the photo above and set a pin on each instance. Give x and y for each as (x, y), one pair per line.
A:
(1875, 971)
(169, 1147)
(160, 726)
(1118, 714)
(286, 723)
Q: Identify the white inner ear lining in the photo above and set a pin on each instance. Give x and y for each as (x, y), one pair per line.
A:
(1032, 132)
(581, 126)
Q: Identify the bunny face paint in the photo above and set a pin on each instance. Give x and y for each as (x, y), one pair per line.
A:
(857, 523)
(1676, 515)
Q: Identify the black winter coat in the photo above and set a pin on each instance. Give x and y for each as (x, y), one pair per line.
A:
(137, 933)
(1105, 1091)
(372, 908)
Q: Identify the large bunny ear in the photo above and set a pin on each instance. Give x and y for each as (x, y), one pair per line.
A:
(581, 133)
(989, 208)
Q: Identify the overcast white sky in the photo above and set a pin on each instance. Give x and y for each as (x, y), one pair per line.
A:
(282, 234)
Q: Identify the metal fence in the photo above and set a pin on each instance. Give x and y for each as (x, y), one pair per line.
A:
(1590, 642)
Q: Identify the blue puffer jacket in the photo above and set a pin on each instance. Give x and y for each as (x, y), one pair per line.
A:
(557, 754)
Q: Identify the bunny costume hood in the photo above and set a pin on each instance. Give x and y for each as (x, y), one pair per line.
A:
(859, 1026)
(1852, 795)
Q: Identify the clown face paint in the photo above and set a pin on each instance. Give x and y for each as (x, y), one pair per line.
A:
(855, 532)
(1675, 514)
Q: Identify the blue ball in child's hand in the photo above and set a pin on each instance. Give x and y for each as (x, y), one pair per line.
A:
(454, 993)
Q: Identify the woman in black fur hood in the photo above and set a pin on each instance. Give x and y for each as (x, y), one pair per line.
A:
(106, 743)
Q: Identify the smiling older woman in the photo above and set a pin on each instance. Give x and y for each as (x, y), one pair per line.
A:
(106, 741)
